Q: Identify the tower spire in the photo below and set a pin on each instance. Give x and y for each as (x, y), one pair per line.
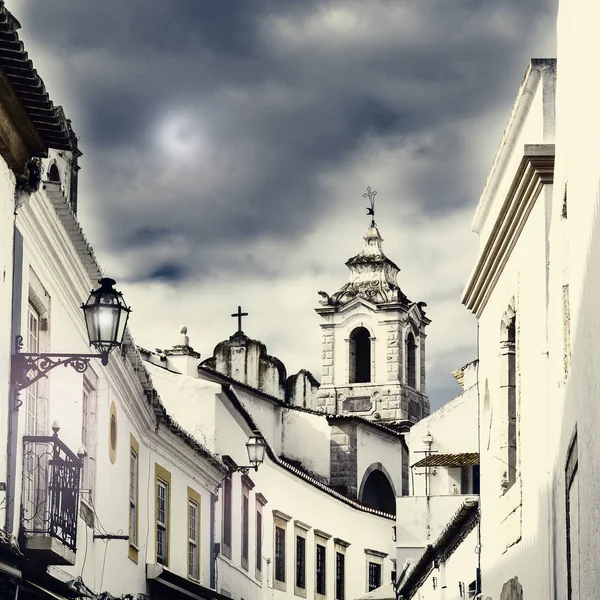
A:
(371, 210)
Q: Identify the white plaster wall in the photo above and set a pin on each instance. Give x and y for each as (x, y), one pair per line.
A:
(7, 187)
(523, 278)
(306, 437)
(190, 401)
(289, 494)
(420, 519)
(374, 447)
(577, 165)
(106, 566)
(460, 567)
(453, 428)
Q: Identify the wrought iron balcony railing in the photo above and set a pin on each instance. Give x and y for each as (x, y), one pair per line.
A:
(50, 493)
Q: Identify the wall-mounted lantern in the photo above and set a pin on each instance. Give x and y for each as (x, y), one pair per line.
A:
(106, 317)
(255, 446)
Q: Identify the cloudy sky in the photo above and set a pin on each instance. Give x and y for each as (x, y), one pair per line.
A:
(227, 144)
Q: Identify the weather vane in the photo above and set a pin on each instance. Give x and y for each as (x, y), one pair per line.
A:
(371, 211)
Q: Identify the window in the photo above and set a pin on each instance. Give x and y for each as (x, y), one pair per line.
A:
(280, 554)
(508, 398)
(572, 517)
(193, 534)
(360, 356)
(163, 506)
(340, 566)
(280, 521)
(245, 526)
(227, 517)
(411, 361)
(88, 435)
(134, 453)
(300, 562)
(53, 174)
(321, 553)
(259, 540)
(260, 501)
(33, 338)
(374, 576)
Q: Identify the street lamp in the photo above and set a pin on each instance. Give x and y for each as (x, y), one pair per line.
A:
(106, 317)
(255, 446)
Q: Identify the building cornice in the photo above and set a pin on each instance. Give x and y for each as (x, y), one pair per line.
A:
(513, 128)
(535, 170)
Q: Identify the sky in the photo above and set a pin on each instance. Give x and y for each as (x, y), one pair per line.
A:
(227, 145)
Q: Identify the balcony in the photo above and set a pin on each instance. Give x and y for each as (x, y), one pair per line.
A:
(49, 500)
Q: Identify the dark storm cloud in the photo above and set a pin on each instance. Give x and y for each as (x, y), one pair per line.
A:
(277, 100)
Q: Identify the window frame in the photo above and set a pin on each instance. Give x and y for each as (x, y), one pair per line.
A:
(245, 541)
(374, 567)
(339, 547)
(193, 500)
(280, 522)
(226, 516)
(134, 481)
(163, 478)
(260, 501)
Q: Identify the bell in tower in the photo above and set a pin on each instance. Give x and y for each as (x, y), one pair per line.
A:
(373, 342)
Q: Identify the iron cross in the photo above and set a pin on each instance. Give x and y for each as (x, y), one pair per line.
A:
(371, 196)
(239, 314)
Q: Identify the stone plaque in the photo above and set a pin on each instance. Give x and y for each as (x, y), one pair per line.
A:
(357, 404)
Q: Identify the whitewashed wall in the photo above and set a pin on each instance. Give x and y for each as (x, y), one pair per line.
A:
(7, 194)
(453, 429)
(514, 525)
(293, 496)
(578, 168)
(50, 254)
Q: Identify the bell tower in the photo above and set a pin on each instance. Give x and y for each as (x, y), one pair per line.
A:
(373, 342)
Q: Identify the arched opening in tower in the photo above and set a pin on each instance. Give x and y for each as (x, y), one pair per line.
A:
(360, 356)
(411, 361)
(53, 174)
(378, 493)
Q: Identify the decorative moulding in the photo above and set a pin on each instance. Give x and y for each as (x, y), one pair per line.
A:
(322, 534)
(534, 172)
(280, 515)
(302, 525)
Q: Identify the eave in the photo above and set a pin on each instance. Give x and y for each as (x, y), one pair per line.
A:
(29, 121)
(535, 170)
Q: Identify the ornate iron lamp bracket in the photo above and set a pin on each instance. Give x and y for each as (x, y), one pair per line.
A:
(29, 367)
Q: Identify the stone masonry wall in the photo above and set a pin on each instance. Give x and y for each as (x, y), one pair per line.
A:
(344, 462)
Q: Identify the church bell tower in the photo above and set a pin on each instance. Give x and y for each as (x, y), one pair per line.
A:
(373, 342)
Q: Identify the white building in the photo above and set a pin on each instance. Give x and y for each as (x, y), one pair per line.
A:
(517, 292)
(436, 531)
(102, 493)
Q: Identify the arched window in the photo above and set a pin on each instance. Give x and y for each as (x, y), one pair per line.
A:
(360, 356)
(53, 174)
(377, 492)
(411, 361)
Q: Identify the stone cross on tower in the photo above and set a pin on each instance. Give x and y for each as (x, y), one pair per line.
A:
(371, 211)
(239, 314)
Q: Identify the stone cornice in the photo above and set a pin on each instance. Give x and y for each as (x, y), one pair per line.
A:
(535, 170)
(536, 70)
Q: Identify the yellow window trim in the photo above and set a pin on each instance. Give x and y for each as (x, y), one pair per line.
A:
(195, 496)
(164, 475)
(135, 446)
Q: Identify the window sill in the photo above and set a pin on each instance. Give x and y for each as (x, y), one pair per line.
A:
(301, 592)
